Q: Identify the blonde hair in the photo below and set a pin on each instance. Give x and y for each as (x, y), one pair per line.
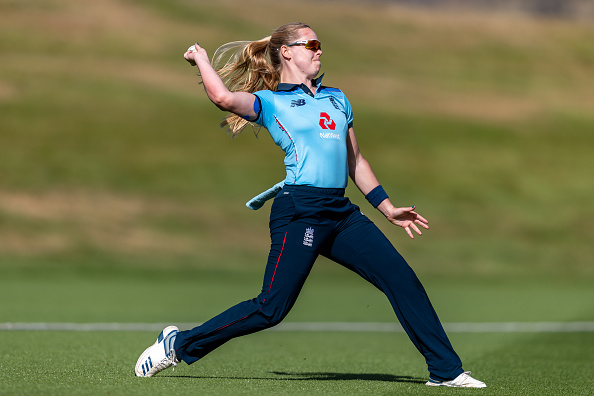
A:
(250, 66)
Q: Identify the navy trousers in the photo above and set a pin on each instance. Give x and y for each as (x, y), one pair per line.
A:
(304, 223)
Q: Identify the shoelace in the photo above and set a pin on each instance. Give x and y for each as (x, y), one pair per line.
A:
(173, 358)
(167, 362)
(172, 354)
(465, 378)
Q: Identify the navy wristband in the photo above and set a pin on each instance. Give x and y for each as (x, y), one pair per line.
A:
(376, 196)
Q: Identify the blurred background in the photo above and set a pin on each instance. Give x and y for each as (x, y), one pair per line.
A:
(116, 184)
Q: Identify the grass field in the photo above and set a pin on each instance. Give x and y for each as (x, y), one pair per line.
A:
(293, 363)
(115, 182)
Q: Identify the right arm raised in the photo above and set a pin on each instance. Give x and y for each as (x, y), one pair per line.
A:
(240, 103)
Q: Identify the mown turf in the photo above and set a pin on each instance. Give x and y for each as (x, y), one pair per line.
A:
(330, 294)
(271, 363)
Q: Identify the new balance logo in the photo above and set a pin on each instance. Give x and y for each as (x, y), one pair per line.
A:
(308, 237)
(299, 102)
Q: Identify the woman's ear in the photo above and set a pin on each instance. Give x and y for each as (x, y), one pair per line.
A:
(285, 52)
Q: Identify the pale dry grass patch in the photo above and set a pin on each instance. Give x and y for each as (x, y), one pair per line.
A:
(8, 91)
(398, 94)
(80, 21)
(117, 223)
(408, 96)
(514, 25)
(155, 76)
(27, 244)
(103, 220)
(61, 206)
(93, 26)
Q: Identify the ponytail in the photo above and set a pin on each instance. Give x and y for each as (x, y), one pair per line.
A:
(250, 66)
(244, 66)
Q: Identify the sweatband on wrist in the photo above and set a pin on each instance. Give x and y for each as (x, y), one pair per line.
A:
(376, 196)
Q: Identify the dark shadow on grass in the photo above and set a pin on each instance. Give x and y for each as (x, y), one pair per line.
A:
(324, 376)
(313, 376)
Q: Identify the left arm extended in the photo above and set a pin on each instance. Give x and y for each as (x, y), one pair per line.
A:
(362, 175)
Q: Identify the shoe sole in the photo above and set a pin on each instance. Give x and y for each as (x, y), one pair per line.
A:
(454, 386)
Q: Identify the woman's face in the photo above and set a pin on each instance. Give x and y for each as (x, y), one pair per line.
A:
(306, 60)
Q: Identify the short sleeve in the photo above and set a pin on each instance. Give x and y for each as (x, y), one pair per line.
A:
(349, 111)
(339, 99)
(262, 106)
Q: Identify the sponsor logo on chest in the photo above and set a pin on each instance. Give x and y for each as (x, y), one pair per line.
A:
(327, 123)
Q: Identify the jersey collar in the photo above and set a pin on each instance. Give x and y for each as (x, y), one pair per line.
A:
(317, 82)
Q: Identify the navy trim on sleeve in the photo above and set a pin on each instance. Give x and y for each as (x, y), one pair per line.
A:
(257, 106)
(257, 109)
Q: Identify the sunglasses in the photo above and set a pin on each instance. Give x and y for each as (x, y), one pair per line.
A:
(313, 45)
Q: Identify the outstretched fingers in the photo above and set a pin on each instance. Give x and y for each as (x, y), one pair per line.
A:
(409, 232)
(420, 220)
(422, 223)
(413, 223)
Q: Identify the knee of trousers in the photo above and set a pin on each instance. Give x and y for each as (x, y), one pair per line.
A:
(273, 313)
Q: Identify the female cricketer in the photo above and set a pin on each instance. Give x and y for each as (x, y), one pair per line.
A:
(274, 83)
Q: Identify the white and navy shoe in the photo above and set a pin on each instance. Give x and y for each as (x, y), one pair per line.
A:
(464, 380)
(159, 356)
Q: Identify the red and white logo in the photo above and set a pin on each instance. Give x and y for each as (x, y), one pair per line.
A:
(326, 122)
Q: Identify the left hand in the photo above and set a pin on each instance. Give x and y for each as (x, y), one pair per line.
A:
(406, 218)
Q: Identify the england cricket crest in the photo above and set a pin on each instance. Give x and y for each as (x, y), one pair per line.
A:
(308, 237)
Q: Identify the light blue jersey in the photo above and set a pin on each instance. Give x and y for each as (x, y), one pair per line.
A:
(312, 131)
